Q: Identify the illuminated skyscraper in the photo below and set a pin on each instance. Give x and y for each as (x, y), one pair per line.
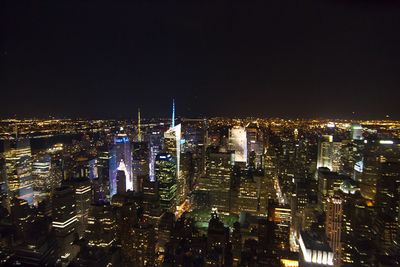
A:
(18, 162)
(329, 153)
(65, 221)
(140, 163)
(41, 174)
(102, 228)
(121, 178)
(217, 181)
(83, 196)
(155, 145)
(356, 132)
(172, 144)
(121, 152)
(378, 154)
(166, 178)
(333, 226)
(238, 143)
(255, 145)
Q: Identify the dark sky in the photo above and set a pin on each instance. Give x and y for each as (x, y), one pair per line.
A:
(287, 58)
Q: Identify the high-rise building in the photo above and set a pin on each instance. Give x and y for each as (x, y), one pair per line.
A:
(376, 155)
(314, 250)
(172, 145)
(102, 228)
(155, 146)
(356, 132)
(101, 190)
(333, 226)
(140, 163)
(165, 173)
(217, 181)
(121, 178)
(65, 221)
(18, 162)
(41, 168)
(121, 152)
(83, 197)
(238, 143)
(255, 145)
(329, 155)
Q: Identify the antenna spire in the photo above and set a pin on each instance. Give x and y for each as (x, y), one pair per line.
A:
(173, 114)
(139, 128)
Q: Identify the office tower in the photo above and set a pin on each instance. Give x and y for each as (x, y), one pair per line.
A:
(31, 242)
(65, 221)
(18, 162)
(236, 239)
(282, 217)
(376, 154)
(140, 163)
(255, 145)
(165, 228)
(388, 189)
(79, 167)
(217, 241)
(248, 196)
(329, 155)
(83, 196)
(121, 179)
(217, 181)
(93, 169)
(238, 143)
(329, 183)
(356, 132)
(121, 152)
(172, 145)
(151, 202)
(358, 247)
(21, 218)
(155, 145)
(333, 226)
(165, 173)
(41, 168)
(314, 250)
(102, 184)
(144, 244)
(101, 230)
(266, 239)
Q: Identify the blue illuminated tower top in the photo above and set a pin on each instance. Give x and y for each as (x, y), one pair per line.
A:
(173, 114)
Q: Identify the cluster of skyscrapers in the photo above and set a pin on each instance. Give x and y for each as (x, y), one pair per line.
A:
(203, 192)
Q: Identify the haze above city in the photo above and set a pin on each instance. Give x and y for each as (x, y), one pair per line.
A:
(264, 59)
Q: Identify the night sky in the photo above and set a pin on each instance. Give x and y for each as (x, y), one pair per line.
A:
(286, 58)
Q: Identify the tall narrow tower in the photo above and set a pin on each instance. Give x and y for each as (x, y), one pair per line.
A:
(139, 130)
(173, 114)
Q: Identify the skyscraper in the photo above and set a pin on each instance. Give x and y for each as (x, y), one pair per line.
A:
(18, 162)
(166, 178)
(65, 220)
(172, 144)
(121, 152)
(356, 132)
(329, 153)
(238, 143)
(333, 226)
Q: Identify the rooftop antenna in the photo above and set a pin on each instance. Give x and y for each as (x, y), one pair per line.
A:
(173, 114)
(139, 130)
